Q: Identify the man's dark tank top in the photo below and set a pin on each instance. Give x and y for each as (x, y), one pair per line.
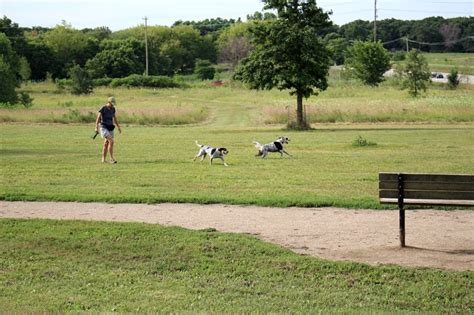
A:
(107, 115)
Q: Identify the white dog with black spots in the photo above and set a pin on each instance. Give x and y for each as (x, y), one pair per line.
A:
(275, 146)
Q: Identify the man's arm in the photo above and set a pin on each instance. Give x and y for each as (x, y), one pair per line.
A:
(98, 121)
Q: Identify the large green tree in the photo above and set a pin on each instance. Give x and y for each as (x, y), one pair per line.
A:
(172, 50)
(234, 43)
(288, 54)
(42, 59)
(14, 34)
(369, 61)
(118, 58)
(9, 78)
(70, 47)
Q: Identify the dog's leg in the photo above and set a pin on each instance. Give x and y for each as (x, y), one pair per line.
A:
(225, 164)
(286, 153)
(197, 155)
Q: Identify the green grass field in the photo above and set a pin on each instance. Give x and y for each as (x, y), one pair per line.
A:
(97, 267)
(52, 161)
(61, 162)
(443, 62)
(46, 153)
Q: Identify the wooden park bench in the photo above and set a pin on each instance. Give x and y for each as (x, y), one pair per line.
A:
(426, 190)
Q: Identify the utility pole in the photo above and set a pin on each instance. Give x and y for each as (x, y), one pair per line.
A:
(406, 39)
(146, 49)
(375, 20)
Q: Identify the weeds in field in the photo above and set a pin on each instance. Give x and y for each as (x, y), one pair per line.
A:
(362, 142)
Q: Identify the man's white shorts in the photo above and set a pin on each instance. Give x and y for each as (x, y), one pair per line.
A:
(104, 133)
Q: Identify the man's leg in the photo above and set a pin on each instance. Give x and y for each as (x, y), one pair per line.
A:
(105, 148)
(111, 149)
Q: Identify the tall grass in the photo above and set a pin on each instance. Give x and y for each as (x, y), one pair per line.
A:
(158, 116)
(345, 101)
(444, 62)
(351, 102)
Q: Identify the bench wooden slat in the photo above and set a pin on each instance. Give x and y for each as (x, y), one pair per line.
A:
(445, 186)
(449, 178)
(431, 202)
(428, 194)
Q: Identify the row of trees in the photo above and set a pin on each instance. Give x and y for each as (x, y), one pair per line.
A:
(433, 34)
(174, 50)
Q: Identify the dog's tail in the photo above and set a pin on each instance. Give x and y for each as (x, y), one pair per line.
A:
(199, 145)
(258, 145)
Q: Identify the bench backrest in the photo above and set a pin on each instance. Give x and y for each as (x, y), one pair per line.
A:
(426, 189)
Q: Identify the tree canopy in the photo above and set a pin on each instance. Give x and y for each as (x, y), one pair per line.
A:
(288, 54)
(416, 72)
(8, 71)
(369, 61)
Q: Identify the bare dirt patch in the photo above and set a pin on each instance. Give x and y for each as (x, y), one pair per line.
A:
(437, 239)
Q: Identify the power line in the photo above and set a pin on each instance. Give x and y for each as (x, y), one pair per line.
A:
(413, 41)
(352, 12)
(442, 43)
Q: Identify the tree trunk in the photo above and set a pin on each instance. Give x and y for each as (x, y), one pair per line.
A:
(300, 123)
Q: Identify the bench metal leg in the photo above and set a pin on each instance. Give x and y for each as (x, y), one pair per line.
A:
(402, 226)
(401, 210)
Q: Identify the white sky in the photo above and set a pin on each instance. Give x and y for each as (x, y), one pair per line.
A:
(121, 14)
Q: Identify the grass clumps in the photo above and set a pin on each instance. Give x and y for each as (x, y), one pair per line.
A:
(362, 142)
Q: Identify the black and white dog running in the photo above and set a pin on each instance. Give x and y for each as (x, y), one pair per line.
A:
(276, 146)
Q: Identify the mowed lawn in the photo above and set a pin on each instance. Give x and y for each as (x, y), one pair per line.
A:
(62, 162)
(98, 267)
(41, 160)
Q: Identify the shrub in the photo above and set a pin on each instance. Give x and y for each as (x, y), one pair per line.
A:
(62, 84)
(417, 74)
(368, 61)
(6, 105)
(204, 70)
(362, 142)
(136, 80)
(81, 81)
(25, 99)
(453, 79)
(101, 82)
(8, 83)
(75, 116)
(399, 55)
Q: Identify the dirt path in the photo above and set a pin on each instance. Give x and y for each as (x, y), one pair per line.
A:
(440, 239)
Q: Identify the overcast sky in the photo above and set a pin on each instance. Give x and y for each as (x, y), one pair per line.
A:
(121, 14)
